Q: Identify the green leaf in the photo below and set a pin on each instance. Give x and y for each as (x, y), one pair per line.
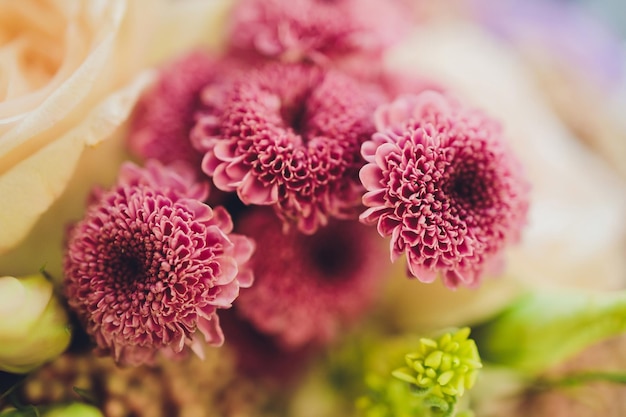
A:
(543, 329)
(28, 411)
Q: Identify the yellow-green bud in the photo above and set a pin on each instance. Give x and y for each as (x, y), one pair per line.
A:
(34, 325)
(442, 369)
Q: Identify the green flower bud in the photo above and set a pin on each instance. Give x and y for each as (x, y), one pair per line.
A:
(34, 325)
(442, 369)
(543, 329)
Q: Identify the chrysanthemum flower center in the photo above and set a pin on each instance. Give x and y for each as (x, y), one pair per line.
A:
(294, 117)
(333, 256)
(472, 186)
(134, 269)
(129, 269)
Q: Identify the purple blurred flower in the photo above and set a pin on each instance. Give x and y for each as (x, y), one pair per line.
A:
(444, 186)
(562, 30)
(149, 265)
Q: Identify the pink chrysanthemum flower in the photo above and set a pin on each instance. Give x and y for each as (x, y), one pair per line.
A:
(307, 288)
(317, 30)
(289, 136)
(443, 184)
(165, 115)
(149, 265)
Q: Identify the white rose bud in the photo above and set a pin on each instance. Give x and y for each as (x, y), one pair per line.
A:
(34, 325)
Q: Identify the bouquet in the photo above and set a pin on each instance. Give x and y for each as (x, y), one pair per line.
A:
(310, 208)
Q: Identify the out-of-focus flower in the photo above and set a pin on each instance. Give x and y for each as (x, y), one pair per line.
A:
(443, 184)
(164, 117)
(149, 265)
(320, 31)
(545, 328)
(579, 64)
(442, 369)
(34, 326)
(65, 86)
(558, 31)
(308, 288)
(288, 135)
(261, 355)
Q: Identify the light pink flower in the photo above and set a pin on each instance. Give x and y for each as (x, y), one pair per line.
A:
(289, 136)
(165, 115)
(317, 30)
(443, 184)
(307, 288)
(149, 265)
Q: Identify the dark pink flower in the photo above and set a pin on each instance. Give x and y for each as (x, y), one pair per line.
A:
(307, 288)
(318, 30)
(149, 265)
(165, 115)
(443, 184)
(260, 355)
(289, 136)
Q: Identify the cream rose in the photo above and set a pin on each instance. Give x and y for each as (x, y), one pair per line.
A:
(64, 73)
(70, 73)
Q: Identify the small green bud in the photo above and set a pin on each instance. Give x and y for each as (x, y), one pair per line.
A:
(34, 325)
(442, 369)
(543, 329)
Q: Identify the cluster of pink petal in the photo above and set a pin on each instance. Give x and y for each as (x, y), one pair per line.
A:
(307, 288)
(289, 135)
(442, 183)
(317, 30)
(148, 266)
(165, 116)
(174, 180)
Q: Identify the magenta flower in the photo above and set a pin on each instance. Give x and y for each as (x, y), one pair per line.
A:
(260, 355)
(307, 288)
(442, 183)
(149, 265)
(165, 115)
(320, 31)
(289, 136)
